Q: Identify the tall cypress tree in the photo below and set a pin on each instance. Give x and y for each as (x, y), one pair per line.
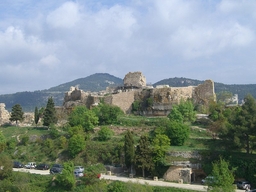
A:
(36, 116)
(129, 151)
(144, 155)
(17, 113)
(50, 113)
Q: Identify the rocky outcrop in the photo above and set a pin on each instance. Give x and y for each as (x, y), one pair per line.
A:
(4, 115)
(135, 79)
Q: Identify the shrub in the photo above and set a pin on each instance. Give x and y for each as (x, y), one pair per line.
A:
(24, 140)
(105, 133)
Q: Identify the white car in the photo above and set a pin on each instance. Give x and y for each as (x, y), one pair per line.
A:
(78, 173)
(79, 169)
(30, 165)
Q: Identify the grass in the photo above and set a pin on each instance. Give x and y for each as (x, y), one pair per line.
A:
(13, 131)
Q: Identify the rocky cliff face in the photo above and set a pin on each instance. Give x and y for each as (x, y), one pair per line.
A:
(4, 114)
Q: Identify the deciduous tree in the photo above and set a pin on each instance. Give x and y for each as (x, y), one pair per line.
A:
(108, 114)
(223, 176)
(76, 144)
(105, 133)
(66, 179)
(177, 132)
(83, 117)
(160, 144)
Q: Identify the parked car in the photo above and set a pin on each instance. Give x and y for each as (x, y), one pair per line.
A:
(56, 168)
(78, 173)
(42, 166)
(17, 164)
(243, 185)
(79, 168)
(207, 180)
(30, 165)
(253, 190)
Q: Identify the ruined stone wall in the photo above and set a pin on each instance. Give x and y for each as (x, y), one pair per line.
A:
(175, 173)
(163, 98)
(124, 100)
(136, 79)
(171, 95)
(75, 94)
(204, 93)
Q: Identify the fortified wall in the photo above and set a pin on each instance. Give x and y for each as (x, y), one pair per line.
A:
(153, 101)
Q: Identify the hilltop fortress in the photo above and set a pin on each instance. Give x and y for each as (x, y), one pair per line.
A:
(152, 101)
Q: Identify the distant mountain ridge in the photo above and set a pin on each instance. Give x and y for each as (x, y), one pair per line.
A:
(100, 81)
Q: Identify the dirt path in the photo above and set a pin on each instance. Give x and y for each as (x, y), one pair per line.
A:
(18, 136)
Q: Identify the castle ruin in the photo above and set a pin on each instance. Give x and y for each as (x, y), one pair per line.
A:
(161, 98)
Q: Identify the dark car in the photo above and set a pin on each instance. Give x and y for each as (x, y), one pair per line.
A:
(56, 168)
(243, 185)
(43, 166)
(17, 164)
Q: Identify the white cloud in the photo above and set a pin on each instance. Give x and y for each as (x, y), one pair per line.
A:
(50, 61)
(66, 16)
(64, 40)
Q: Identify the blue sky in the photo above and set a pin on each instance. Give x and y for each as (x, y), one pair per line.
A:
(44, 43)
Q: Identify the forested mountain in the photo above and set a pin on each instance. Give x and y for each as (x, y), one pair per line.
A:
(29, 100)
(99, 82)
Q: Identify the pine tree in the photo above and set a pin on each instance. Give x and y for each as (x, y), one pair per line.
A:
(129, 150)
(17, 113)
(50, 113)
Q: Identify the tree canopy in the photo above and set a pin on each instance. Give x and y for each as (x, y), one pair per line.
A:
(84, 117)
(238, 129)
(129, 149)
(223, 176)
(177, 132)
(144, 155)
(107, 114)
(17, 114)
(50, 113)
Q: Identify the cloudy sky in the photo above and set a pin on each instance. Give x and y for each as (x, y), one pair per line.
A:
(44, 43)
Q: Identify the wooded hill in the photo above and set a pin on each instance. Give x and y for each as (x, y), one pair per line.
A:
(98, 82)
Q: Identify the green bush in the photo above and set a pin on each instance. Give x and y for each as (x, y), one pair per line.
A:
(105, 133)
(25, 140)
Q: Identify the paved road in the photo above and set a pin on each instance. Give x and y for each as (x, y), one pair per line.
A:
(41, 172)
(195, 187)
(156, 183)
